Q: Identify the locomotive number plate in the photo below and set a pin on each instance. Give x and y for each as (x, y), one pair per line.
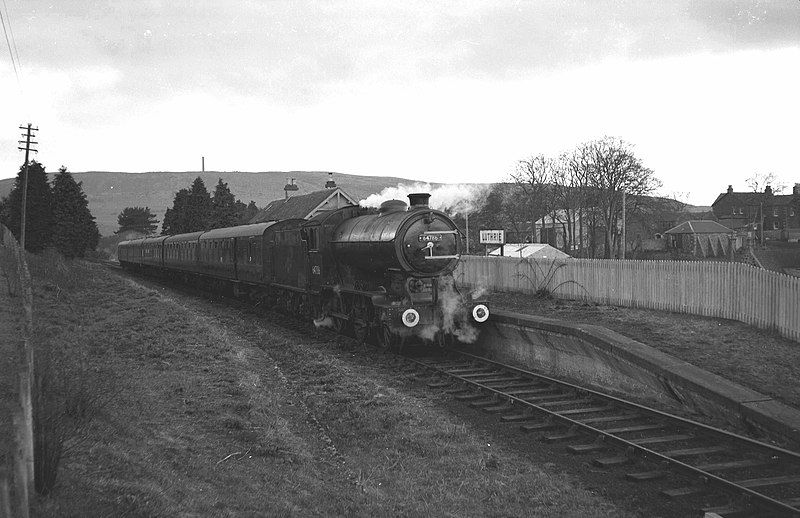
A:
(429, 237)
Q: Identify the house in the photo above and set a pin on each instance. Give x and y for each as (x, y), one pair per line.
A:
(530, 250)
(702, 238)
(562, 229)
(778, 216)
(305, 206)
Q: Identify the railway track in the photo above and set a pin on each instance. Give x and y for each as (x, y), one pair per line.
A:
(747, 477)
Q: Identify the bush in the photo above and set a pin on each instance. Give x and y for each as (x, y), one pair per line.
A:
(66, 393)
(66, 397)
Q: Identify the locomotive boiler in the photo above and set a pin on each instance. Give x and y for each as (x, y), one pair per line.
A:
(384, 275)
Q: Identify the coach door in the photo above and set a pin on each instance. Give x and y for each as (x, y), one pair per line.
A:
(312, 236)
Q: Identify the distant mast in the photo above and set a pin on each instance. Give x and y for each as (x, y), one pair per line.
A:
(203, 164)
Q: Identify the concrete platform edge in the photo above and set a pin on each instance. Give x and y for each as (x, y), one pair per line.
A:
(761, 410)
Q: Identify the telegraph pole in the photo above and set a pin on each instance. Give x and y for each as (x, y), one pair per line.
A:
(23, 417)
(29, 129)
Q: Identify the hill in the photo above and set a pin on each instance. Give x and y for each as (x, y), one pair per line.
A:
(109, 193)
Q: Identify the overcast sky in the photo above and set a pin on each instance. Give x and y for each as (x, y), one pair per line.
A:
(706, 91)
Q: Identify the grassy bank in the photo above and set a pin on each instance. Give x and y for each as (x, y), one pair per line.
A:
(212, 411)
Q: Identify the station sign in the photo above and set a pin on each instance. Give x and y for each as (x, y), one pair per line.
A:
(493, 237)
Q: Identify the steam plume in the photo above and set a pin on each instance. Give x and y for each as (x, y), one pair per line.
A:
(450, 198)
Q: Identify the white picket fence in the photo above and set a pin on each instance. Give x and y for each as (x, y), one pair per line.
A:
(736, 291)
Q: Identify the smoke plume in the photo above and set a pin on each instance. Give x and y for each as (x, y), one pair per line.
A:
(450, 198)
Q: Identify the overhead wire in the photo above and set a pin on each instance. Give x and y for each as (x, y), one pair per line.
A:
(14, 62)
(11, 31)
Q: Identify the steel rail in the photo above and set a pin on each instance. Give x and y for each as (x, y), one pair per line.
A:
(706, 476)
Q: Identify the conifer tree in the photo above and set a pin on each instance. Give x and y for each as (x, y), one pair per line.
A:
(175, 219)
(199, 215)
(246, 212)
(191, 210)
(38, 219)
(74, 229)
(224, 207)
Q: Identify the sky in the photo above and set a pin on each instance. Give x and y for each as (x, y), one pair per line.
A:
(706, 91)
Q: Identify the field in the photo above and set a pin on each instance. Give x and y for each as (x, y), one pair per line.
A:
(210, 409)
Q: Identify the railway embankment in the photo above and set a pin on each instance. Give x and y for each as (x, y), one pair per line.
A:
(607, 359)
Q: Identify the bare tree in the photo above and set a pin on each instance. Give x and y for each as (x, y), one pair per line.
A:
(573, 196)
(759, 181)
(535, 176)
(612, 168)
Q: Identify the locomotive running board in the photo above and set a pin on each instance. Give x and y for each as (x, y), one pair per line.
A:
(429, 257)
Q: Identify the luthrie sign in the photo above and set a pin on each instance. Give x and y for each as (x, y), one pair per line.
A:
(493, 237)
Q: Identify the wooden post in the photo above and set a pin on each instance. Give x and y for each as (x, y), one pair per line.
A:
(22, 474)
(23, 416)
(28, 134)
(5, 494)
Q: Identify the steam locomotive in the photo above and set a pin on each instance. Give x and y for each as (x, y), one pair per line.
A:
(384, 275)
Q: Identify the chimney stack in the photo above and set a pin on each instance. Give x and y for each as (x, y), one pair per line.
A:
(796, 188)
(418, 200)
(330, 184)
(290, 186)
(730, 189)
(768, 190)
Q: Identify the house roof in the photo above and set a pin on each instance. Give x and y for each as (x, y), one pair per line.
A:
(304, 206)
(740, 198)
(699, 227)
(754, 198)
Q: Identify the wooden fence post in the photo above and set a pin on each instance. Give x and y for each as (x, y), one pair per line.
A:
(5, 495)
(23, 415)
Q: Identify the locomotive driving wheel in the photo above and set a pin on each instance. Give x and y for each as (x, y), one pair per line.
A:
(388, 340)
(361, 317)
(360, 331)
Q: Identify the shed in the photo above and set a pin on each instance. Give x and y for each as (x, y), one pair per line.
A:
(702, 238)
(530, 250)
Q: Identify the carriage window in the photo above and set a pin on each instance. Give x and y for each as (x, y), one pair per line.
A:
(313, 238)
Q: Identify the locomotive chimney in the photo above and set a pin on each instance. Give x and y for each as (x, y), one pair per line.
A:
(418, 200)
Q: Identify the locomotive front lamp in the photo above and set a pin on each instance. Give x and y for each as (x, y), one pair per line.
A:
(480, 313)
(410, 317)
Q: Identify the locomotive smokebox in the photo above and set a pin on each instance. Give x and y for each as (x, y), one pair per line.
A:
(418, 200)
